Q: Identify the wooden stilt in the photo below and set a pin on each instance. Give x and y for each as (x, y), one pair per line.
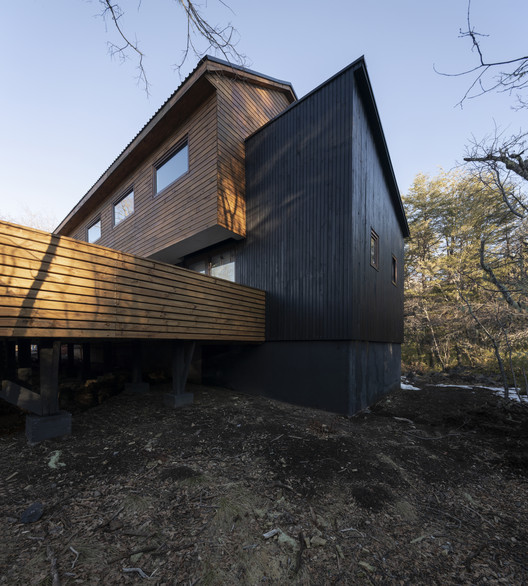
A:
(86, 360)
(49, 354)
(137, 385)
(71, 359)
(182, 353)
(24, 353)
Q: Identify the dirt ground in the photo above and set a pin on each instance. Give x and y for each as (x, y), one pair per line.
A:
(426, 487)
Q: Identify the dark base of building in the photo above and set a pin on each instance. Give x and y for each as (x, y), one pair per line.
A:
(339, 376)
(43, 427)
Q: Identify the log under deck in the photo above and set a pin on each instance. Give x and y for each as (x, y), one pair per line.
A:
(56, 287)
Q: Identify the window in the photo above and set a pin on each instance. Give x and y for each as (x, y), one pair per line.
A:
(394, 270)
(220, 265)
(124, 207)
(94, 231)
(374, 249)
(201, 266)
(223, 266)
(172, 168)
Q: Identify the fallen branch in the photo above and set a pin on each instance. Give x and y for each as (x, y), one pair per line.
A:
(140, 572)
(55, 580)
(352, 529)
(76, 556)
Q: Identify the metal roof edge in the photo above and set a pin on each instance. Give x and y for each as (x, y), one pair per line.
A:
(161, 111)
(360, 72)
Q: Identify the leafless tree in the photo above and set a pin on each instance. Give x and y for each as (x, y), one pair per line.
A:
(220, 39)
(510, 75)
(501, 164)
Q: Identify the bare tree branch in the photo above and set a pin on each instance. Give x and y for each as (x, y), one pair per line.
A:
(218, 39)
(115, 12)
(507, 79)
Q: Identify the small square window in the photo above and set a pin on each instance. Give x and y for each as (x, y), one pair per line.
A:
(374, 249)
(124, 208)
(94, 231)
(394, 270)
(172, 168)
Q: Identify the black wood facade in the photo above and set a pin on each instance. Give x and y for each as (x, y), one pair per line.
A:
(317, 183)
(318, 224)
(325, 230)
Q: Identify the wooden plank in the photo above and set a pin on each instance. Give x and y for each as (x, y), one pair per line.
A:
(49, 356)
(21, 397)
(50, 284)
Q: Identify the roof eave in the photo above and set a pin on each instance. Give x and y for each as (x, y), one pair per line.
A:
(207, 64)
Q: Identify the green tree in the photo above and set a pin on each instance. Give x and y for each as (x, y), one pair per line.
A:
(454, 312)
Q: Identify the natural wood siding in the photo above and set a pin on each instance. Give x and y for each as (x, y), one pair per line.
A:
(315, 187)
(182, 210)
(54, 286)
(243, 107)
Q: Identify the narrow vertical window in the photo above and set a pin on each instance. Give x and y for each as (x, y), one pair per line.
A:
(172, 168)
(94, 231)
(394, 271)
(124, 208)
(374, 249)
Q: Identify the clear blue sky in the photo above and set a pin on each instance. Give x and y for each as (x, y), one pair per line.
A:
(68, 109)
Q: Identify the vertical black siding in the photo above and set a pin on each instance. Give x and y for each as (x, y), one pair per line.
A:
(315, 186)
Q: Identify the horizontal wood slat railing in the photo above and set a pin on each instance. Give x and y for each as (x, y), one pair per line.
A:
(53, 286)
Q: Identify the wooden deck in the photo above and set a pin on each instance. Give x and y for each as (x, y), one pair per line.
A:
(57, 287)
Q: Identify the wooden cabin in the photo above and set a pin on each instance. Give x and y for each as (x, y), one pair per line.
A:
(236, 179)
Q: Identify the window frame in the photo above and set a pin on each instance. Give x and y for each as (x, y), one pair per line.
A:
(374, 245)
(172, 152)
(90, 226)
(394, 271)
(207, 258)
(117, 201)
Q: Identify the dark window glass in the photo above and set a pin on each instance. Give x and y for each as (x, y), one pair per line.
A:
(123, 208)
(374, 249)
(94, 231)
(394, 271)
(173, 168)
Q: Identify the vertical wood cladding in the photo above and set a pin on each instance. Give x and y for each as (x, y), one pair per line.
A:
(186, 207)
(242, 108)
(315, 188)
(212, 193)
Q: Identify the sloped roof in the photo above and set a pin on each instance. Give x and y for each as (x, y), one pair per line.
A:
(194, 81)
(359, 68)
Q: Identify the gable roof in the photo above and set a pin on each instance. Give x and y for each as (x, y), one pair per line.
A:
(184, 100)
(359, 69)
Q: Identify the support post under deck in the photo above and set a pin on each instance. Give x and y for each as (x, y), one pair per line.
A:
(181, 356)
(137, 385)
(52, 422)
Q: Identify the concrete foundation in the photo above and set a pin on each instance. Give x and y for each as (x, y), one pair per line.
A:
(174, 401)
(341, 376)
(43, 427)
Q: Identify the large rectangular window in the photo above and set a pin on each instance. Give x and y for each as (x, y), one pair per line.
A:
(223, 266)
(220, 265)
(124, 207)
(94, 231)
(172, 168)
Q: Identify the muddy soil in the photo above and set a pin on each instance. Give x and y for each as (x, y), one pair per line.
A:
(426, 487)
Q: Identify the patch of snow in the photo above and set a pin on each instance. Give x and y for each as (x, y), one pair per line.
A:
(406, 387)
(468, 387)
(513, 395)
(513, 392)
